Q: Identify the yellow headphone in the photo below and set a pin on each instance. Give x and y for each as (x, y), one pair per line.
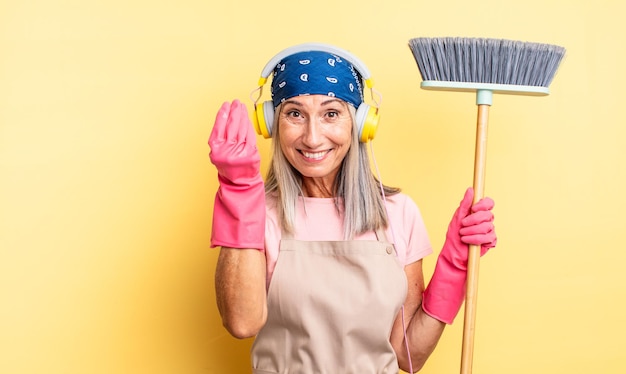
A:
(367, 116)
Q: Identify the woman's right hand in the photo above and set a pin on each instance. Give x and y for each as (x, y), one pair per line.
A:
(239, 210)
(233, 145)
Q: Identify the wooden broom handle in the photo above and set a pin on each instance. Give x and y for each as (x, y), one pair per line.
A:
(469, 322)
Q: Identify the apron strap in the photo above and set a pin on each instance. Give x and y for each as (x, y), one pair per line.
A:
(381, 235)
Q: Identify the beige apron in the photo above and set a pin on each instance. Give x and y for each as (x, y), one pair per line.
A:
(331, 306)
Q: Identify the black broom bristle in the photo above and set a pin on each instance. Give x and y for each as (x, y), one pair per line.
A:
(483, 60)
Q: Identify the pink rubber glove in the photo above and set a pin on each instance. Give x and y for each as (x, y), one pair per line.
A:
(470, 225)
(239, 212)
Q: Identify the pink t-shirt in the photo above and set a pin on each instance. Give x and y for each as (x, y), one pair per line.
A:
(317, 220)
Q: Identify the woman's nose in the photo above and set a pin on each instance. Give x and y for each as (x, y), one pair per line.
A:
(312, 135)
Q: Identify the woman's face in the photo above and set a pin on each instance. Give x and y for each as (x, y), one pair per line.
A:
(315, 134)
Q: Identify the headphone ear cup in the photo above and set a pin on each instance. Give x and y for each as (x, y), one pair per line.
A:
(367, 118)
(264, 119)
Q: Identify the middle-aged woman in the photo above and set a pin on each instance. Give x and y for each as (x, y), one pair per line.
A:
(321, 262)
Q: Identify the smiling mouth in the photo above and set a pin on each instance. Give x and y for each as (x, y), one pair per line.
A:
(315, 155)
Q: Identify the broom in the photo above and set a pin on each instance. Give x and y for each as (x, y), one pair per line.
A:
(484, 66)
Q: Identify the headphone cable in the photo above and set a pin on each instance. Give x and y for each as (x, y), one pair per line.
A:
(393, 235)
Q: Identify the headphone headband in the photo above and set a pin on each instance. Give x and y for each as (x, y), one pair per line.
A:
(306, 47)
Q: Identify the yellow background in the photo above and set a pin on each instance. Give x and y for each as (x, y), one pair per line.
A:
(106, 190)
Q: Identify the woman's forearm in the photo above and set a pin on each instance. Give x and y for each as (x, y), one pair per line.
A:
(240, 290)
(423, 334)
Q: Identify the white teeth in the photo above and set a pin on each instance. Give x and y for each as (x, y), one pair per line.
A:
(315, 155)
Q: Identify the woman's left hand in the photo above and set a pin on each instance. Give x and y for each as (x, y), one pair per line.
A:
(477, 227)
(471, 224)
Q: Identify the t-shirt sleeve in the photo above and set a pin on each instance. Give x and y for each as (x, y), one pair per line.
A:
(414, 235)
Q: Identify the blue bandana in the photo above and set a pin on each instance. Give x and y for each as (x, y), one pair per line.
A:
(316, 73)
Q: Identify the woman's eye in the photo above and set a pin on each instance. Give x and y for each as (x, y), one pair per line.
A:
(294, 114)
